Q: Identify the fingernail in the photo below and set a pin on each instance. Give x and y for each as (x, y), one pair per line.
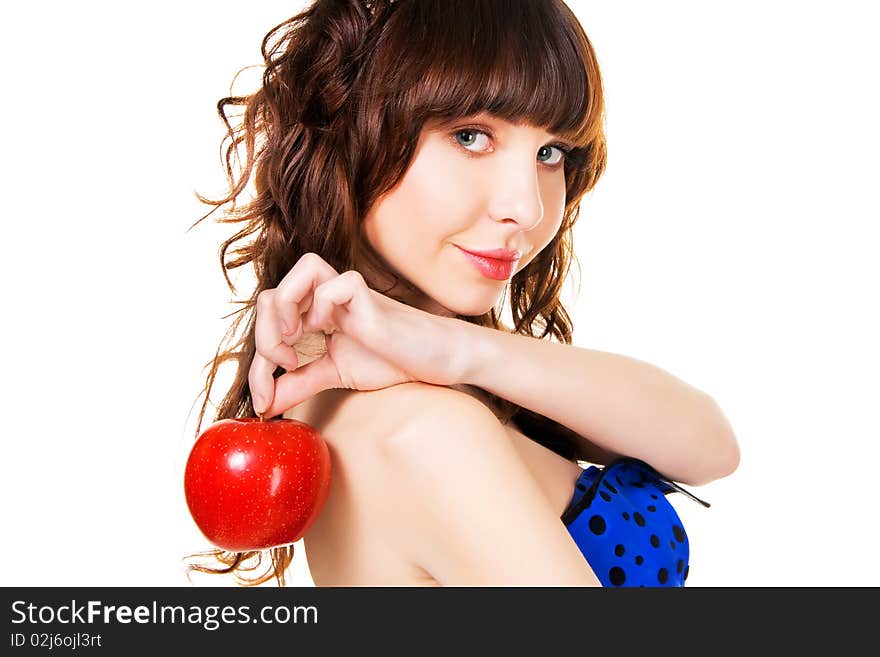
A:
(259, 404)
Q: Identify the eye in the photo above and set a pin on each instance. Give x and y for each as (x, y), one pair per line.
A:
(562, 153)
(470, 136)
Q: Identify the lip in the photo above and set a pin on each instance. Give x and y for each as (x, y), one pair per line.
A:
(496, 254)
(495, 268)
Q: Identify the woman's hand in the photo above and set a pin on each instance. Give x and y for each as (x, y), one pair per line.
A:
(372, 341)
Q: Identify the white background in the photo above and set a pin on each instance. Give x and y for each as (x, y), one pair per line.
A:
(730, 242)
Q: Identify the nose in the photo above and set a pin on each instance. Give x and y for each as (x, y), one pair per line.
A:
(516, 195)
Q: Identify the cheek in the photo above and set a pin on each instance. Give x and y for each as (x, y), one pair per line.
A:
(424, 205)
(554, 207)
(554, 196)
(432, 193)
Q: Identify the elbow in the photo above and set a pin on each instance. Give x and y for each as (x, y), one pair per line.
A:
(719, 452)
(727, 458)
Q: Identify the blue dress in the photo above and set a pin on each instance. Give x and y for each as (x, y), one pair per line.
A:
(624, 526)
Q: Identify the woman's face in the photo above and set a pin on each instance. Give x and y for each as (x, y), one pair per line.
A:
(476, 184)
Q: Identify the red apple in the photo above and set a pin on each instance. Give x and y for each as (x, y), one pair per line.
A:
(254, 485)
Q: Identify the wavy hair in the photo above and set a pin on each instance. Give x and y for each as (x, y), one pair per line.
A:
(346, 87)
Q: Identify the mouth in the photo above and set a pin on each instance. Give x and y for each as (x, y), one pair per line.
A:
(498, 269)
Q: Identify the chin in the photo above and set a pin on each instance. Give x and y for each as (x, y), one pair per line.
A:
(472, 308)
(463, 299)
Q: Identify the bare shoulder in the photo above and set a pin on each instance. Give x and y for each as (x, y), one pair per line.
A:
(467, 510)
(429, 485)
(387, 417)
(358, 537)
(417, 420)
(416, 410)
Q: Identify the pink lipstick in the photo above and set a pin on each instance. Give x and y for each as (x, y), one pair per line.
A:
(497, 264)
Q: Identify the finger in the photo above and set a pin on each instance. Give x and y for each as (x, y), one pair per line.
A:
(333, 302)
(305, 382)
(293, 296)
(269, 342)
(261, 383)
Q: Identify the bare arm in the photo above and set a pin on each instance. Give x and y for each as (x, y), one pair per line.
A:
(467, 510)
(623, 405)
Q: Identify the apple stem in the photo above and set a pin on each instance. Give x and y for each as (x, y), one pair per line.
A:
(261, 417)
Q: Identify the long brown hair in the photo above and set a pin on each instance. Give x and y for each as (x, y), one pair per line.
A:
(346, 89)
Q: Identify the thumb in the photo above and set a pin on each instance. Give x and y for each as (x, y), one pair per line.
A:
(303, 383)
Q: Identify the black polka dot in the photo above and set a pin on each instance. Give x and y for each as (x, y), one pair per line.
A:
(617, 477)
(640, 521)
(609, 486)
(679, 533)
(626, 515)
(653, 496)
(581, 487)
(638, 484)
(597, 524)
(617, 576)
(655, 542)
(680, 566)
(687, 569)
(662, 575)
(652, 508)
(672, 545)
(619, 550)
(605, 496)
(639, 559)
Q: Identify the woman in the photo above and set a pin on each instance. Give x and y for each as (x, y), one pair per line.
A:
(389, 143)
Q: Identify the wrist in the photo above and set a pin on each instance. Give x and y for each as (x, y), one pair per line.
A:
(473, 351)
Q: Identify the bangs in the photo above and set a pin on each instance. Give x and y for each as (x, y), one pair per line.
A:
(519, 60)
